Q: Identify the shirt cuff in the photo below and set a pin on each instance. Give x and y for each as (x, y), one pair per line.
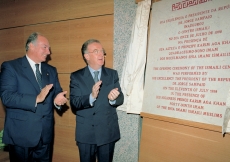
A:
(91, 99)
(57, 106)
(112, 102)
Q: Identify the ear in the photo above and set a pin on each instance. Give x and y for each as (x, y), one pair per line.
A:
(31, 46)
(86, 56)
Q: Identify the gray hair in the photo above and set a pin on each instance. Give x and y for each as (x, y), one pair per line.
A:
(84, 48)
(31, 39)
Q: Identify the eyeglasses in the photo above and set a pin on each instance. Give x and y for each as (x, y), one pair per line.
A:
(96, 51)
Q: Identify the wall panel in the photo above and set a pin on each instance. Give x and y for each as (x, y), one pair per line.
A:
(172, 140)
(58, 35)
(2, 120)
(20, 13)
(11, 44)
(65, 148)
(12, 39)
(100, 28)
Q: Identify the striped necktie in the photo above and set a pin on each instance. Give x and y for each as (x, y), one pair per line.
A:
(96, 76)
(39, 76)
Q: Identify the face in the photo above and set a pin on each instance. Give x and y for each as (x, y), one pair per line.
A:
(95, 61)
(39, 50)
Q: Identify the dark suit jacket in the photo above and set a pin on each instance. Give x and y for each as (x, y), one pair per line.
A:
(97, 124)
(25, 123)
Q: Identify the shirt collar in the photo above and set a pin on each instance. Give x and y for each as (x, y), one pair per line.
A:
(32, 63)
(92, 70)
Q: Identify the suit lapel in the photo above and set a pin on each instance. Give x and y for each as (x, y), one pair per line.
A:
(105, 77)
(28, 72)
(88, 78)
(45, 74)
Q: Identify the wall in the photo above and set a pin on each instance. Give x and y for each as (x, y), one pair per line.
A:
(168, 139)
(66, 24)
(172, 140)
(127, 147)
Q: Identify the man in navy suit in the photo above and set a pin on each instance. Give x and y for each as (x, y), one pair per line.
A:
(95, 93)
(29, 100)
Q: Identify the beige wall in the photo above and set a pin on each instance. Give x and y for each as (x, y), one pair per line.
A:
(66, 24)
(167, 139)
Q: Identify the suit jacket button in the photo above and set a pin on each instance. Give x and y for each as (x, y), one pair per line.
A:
(93, 113)
(92, 125)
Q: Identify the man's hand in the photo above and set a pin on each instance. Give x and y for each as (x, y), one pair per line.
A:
(42, 95)
(113, 94)
(96, 88)
(60, 99)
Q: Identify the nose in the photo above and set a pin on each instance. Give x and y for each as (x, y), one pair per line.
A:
(48, 51)
(101, 52)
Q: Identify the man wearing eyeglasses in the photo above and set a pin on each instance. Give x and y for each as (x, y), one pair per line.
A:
(94, 94)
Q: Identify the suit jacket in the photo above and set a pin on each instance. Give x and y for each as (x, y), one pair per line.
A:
(25, 123)
(97, 124)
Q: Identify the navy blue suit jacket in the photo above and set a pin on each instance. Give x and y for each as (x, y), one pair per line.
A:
(25, 124)
(97, 124)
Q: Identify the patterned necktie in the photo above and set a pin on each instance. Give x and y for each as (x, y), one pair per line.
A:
(39, 76)
(96, 76)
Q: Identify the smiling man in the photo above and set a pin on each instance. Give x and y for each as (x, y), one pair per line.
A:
(29, 89)
(94, 94)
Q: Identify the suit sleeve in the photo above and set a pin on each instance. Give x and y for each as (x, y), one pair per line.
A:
(120, 98)
(8, 91)
(78, 100)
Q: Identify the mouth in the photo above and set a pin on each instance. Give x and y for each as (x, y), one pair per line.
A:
(101, 60)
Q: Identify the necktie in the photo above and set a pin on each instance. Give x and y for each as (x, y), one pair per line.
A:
(39, 76)
(96, 76)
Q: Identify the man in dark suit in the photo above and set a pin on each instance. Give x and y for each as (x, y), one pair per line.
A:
(95, 97)
(29, 95)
